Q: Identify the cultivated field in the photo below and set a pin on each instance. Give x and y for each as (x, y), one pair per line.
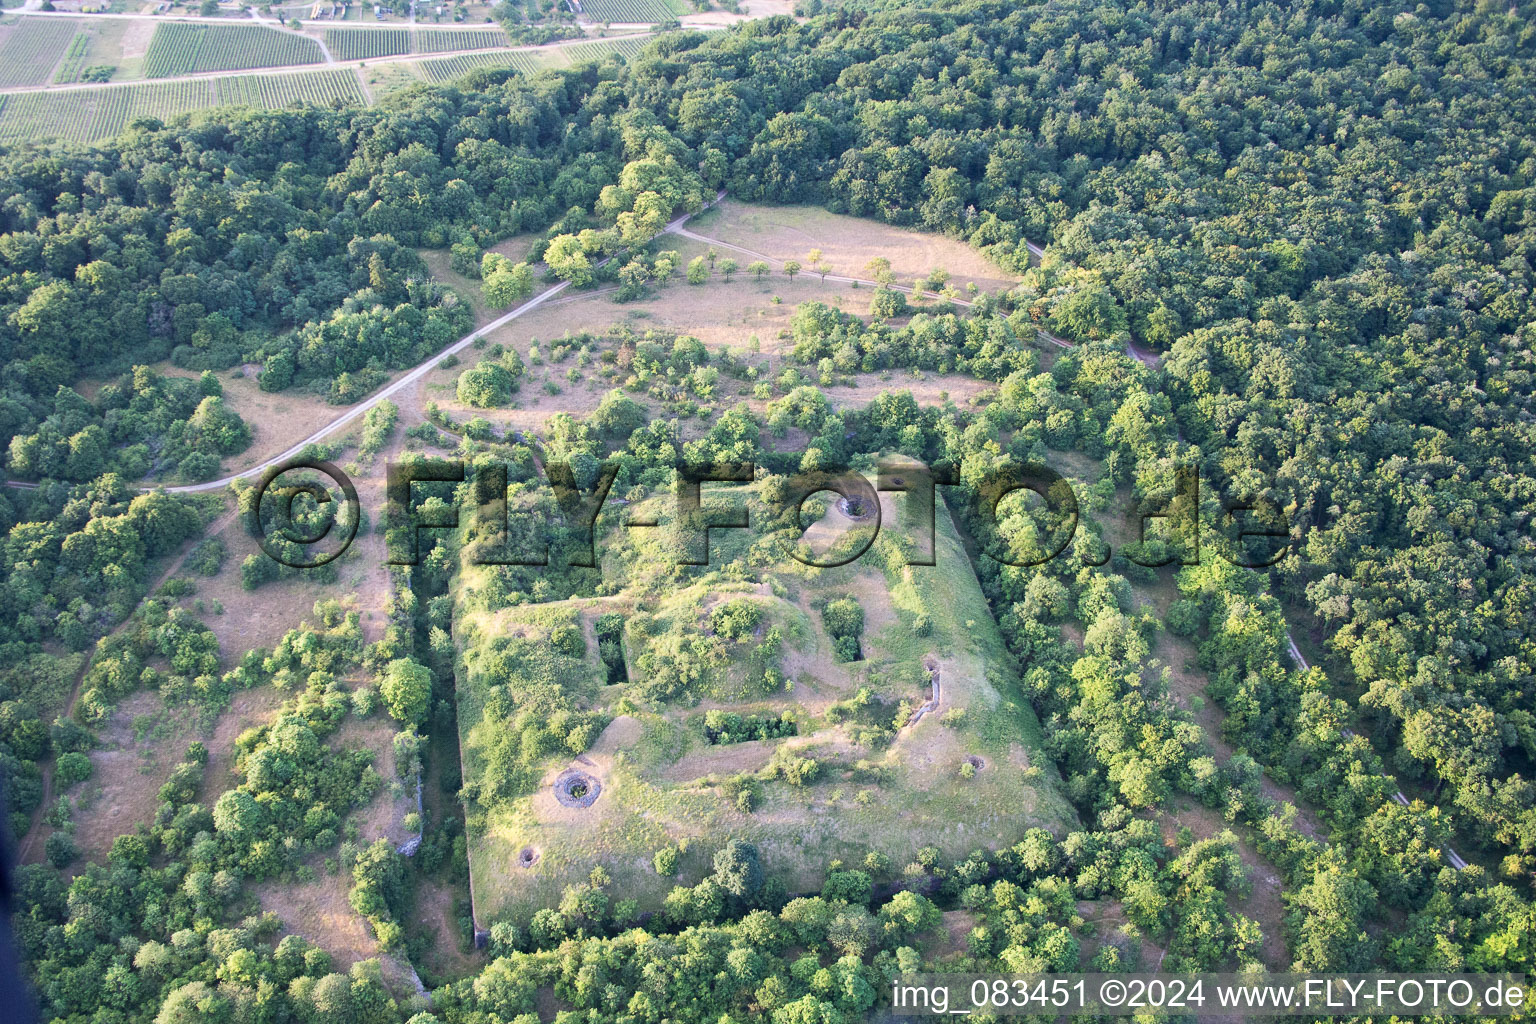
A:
(446, 69)
(447, 40)
(281, 90)
(94, 114)
(598, 49)
(531, 61)
(74, 59)
(89, 115)
(634, 10)
(366, 43)
(30, 49)
(180, 49)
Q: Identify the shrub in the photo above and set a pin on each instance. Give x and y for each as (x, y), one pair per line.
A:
(485, 385)
(60, 849)
(72, 768)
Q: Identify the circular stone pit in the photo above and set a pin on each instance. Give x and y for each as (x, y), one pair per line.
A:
(855, 508)
(577, 789)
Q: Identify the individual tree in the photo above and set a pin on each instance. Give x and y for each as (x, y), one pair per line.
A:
(757, 268)
(567, 257)
(728, 267)
(791, 268)
(505, 282)
(406, 687)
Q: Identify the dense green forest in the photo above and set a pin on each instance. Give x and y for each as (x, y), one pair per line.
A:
(1322, 215)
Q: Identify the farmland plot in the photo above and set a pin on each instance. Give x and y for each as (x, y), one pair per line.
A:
(634, 10)
(445, 69)
(31, 48)
(597, 49)
(74, 59)
(448, 40)
(178, 49)
(367, 43)
(90, 115)
(319, 88)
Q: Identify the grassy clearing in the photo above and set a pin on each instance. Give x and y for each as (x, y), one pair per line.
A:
(847, 244)
(383, 79)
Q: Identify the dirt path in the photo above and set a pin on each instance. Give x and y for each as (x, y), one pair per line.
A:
(932, 703)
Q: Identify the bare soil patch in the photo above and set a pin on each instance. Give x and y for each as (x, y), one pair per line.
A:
(436, 913)
(124, 788)
(320, 912)
(140, 745)
(248, 709)
(624, 731)
(381, 818)
(728, 759)
(953, 933)
(135, 40)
